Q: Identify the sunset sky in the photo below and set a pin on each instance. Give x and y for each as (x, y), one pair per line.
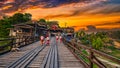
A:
(76, 13)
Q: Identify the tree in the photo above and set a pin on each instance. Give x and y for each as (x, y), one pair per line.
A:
(4, 25)
(18, 18)
(81, 34)
(7, 22)
(42, 20)
(27, 16)
(21, 18)
(97, 43)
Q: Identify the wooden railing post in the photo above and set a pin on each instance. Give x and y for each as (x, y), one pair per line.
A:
(93, 55)
(25, 40)
(91, 58)
(34, 38)
(12, 43)
(74, 46)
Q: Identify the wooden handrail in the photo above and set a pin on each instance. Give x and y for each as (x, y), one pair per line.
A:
(92, 54)
(107, 56)
(84, 63)
(6, 39)
(101, 53)
(27, 40)
(11, 40)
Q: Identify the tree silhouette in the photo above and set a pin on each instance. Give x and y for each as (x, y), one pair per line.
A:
(42, 20)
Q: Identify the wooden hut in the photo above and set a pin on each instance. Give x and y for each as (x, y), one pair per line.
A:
(21, 30)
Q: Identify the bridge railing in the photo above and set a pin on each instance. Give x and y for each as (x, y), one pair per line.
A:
(7, 46)
(16, 43)
(90, 57)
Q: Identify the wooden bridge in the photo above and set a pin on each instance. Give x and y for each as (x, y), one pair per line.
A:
(37, 56)
(55, 55)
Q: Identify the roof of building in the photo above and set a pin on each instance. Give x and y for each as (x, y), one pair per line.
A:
(23, 25)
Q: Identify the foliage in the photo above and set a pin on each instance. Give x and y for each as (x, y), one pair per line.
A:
(97, 40)
(4, 42)
(3, 28)
(84, 52)
(112, 47)
(21, 18)
(7, 22)
(97, 43)
(85, 40)
(27, 16)
(42, 20)
(80, 34)
(114, 34)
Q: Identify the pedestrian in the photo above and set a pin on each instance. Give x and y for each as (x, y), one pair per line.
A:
(57, 37)
(41, 40)
(48, 41)
(60, 39)
(46, 35)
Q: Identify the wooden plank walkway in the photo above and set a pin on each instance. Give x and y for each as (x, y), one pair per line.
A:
(36, 63)
(66, 58)
(10, 57)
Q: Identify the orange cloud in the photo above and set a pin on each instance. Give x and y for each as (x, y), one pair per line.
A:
(80, 14)
(6, 7)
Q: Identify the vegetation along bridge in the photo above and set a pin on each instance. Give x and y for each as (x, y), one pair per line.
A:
(58, 54)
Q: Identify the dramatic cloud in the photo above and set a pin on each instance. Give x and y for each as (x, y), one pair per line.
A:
(109, 23)
(76, 13)
(24, 4)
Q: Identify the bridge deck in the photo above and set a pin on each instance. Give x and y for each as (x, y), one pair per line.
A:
(66, 58)
(10, 57)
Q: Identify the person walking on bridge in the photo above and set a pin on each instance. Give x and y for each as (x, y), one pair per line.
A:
(60, 38)
(48, 41)
(41, 40)
(57, 38)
